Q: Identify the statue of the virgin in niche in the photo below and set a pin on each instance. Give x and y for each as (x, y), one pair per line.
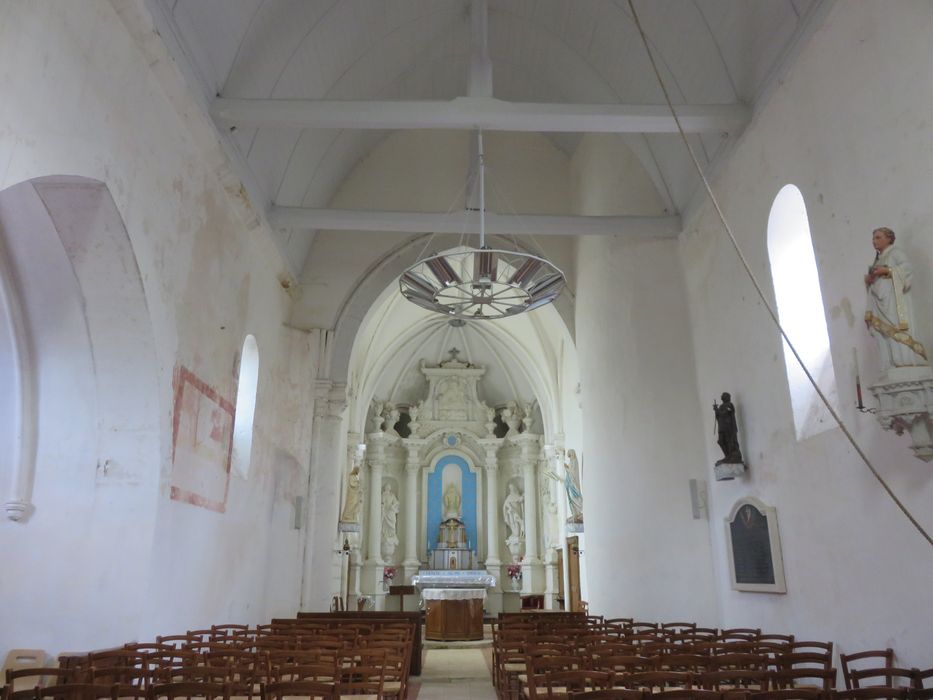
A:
(451, 502)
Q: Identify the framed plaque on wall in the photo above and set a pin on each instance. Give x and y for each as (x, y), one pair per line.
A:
(754, 548)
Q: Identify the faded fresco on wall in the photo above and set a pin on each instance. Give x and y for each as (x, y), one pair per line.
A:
(202, 443)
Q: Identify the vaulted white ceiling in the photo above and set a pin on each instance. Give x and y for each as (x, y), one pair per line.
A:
(710, 52)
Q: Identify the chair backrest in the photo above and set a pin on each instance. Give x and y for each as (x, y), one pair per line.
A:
(74, 691)
(890, 676)
(871, 658)
(189, 689)
(25, 679)
(24, 658)
(298, 689)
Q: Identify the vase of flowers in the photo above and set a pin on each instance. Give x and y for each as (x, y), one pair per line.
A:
(514, 572)
(388, 573)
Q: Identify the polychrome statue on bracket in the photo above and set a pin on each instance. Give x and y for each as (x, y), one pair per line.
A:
(905, 388)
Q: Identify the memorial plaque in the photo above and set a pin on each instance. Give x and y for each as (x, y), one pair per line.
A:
(754, 548)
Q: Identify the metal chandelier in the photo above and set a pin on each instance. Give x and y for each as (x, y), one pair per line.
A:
(481, 283)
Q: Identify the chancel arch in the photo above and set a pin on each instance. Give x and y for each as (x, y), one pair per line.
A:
(465, 425)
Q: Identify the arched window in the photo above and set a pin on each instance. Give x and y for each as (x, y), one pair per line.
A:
(245, 406)
(800, 308)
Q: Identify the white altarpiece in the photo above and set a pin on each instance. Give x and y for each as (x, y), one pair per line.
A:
(451, 423)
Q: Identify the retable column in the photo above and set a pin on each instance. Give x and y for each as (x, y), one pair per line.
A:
(376, 467)
(492, 507)
(531, 508)
(412, 469)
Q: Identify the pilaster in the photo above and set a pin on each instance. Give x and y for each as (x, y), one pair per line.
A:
(322, 545)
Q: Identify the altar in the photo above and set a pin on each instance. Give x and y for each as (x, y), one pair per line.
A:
(453, 602)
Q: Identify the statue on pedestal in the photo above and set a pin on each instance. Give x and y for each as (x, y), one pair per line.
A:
(351, 506)
(905, 389)
(452, 502)
(513, 512)
(390, 508)
(890, 316)
(572, 485)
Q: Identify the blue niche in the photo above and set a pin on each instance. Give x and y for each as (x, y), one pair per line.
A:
(467, 504)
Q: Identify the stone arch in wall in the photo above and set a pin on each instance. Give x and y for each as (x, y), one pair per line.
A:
(90, 485)
(84, 322)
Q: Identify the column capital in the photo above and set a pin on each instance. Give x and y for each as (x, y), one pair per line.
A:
(330, 398)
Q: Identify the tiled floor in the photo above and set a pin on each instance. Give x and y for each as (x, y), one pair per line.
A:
(456, 674)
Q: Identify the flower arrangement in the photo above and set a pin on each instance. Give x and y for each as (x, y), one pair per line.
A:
(514, 571)
(388, 573)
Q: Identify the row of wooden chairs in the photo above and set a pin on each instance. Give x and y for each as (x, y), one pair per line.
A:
(230, 657)
(361, 683)
(878, 693)
(526, 648)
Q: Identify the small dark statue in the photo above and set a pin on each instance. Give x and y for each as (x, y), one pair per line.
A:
(727, 430)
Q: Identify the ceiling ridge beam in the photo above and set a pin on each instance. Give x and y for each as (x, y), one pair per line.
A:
(468, 222)
(477, 113)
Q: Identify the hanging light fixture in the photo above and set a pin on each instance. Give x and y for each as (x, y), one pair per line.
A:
(481, 283)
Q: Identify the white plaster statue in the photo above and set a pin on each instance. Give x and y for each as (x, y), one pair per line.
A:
(351, 506)
(889, 316)
(389, 520)
(452, 502)
(378, 408)
(529, 416)
(510, 416)
(572, 484)
(392, 417)
(513, 509)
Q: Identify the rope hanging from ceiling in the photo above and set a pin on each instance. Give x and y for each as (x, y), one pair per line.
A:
(771, 311)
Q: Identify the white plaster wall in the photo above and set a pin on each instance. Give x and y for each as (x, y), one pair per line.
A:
(642, 442)
(88, 102)
(850, 126)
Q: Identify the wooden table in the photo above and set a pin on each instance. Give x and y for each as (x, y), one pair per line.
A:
(453, 614)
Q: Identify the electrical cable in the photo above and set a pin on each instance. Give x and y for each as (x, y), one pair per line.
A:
(764, 300)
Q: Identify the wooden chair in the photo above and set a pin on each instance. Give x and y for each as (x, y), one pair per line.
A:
(751, 680)
(622, 664)
(229, 630)
(693, 663)
(73, 691)
(609, 694)
(877, 692)
(791, 694)
(686, 694)
(318, 672)
(26, 679)
(890, 677)
(822, 679)
(560, 684)
(534, 681)
(739, 634)
(188, 690)
(656, 680)
(110, 675)
(299, 689)
(873, 658)
(678, 627)
(362, 680)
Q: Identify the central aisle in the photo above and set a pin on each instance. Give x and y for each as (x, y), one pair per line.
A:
(456, 674)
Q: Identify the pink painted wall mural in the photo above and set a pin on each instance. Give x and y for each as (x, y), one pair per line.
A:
(202, 443)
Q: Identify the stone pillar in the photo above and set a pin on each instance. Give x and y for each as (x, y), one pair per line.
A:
(412, 470)
(327, 454)
(371, 583)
